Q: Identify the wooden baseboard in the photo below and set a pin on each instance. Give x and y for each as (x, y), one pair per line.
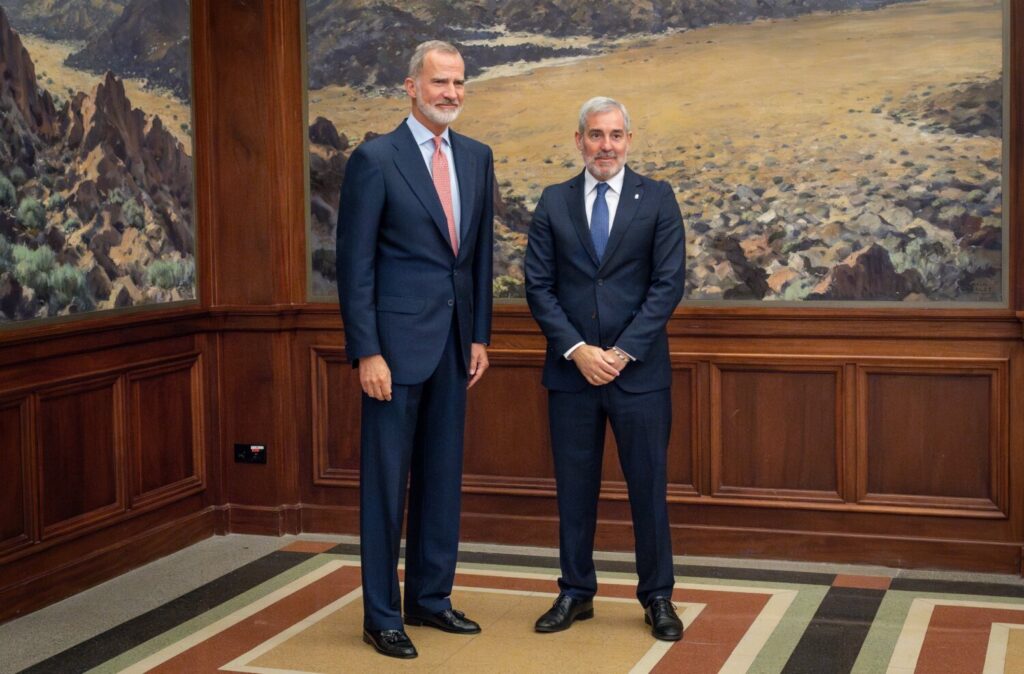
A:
(836, 548)
(317, 519)
(264, 520)
(56, 583)
(615, 535)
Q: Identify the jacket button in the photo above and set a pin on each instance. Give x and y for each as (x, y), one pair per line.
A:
(600, 281)
(455, 272)
(593, 315)
(451, 303)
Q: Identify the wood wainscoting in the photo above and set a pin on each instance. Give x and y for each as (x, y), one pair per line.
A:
(105, 454)
(790, 439)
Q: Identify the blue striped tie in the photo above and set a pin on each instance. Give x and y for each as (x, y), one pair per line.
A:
(599, 221)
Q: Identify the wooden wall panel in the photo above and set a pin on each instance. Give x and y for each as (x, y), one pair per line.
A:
(16, 508)
(934, 436)
(336, 410)
(777, 430)
(110, 456)
(507, 445)
(683, 462)
(165, 445)
(256, 149)
(248, 380)
(81, 450)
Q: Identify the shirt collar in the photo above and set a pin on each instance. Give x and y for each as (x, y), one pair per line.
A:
(422, 134)
(614, 183)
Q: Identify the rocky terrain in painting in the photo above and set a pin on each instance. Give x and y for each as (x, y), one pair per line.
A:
(147, 39)
(95, 198)
(889, 188)
(901, 230)
(150, 39)
(63, 19)
(367, 43)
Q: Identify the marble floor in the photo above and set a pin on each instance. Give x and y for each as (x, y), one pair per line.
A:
(275, 605)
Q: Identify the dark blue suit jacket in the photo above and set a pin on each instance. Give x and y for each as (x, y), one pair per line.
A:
(624, 299)
(398, 280)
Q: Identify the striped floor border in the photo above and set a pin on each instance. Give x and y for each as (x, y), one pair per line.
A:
(299, 610)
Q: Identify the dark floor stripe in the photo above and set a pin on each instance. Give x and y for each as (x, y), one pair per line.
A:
(957, 587)
(833, 639)
(773, 576)
(128, 635)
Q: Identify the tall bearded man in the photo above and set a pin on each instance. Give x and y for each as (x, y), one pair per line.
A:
(604, 271)
(414, 283)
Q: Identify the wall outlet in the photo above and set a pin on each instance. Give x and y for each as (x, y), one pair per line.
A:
(247, 453)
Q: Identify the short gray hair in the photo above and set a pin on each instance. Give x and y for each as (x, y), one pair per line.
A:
(420, 55)
(599, 104)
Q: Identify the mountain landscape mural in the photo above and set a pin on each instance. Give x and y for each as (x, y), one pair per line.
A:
(96, 196)
(843, 150)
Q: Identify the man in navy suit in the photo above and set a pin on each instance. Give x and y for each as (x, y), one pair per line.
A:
(414, 282)
(604, 271)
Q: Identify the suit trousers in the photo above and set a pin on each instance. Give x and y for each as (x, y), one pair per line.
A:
(641, 423)
(414, 438)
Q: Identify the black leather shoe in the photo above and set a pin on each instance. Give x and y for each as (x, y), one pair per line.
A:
(448, 620)
(563, 613)
(660, 614)
(393, 643)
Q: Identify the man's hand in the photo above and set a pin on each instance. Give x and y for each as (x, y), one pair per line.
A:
(596, 365)
(477, 363)
(375, 377)
(618, 360)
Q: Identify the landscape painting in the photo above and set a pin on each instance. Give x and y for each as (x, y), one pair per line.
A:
(820, 150)
(96, 194)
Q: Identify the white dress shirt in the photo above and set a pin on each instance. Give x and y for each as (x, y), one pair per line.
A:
(425, 139)
(611, 197)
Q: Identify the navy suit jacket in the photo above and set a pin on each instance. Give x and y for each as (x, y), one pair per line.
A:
(398, 280)
(624, 299)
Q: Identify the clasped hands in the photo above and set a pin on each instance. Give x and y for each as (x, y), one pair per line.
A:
(375, 375)
(598, 366)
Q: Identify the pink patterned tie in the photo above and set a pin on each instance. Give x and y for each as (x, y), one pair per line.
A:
(444, 190)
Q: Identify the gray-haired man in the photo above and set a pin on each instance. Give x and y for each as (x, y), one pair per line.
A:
(604, 271)
(414, 282)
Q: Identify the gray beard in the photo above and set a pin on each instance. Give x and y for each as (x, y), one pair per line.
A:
(437, 116)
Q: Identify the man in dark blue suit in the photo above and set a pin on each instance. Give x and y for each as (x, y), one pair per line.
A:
(605, 268)
(414, 281)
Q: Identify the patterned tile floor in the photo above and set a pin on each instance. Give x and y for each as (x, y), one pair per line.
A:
(298, 610)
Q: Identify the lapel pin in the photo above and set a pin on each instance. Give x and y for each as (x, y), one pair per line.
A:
(636, 196)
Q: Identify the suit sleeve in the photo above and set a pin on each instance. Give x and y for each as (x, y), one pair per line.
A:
(359, 213)
(540, 283)
(668, 265)
(483, 260)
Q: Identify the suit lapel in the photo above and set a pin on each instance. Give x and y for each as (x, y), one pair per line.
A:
(465, 172)
(629, 202)
(574, 197)
(409, 160)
